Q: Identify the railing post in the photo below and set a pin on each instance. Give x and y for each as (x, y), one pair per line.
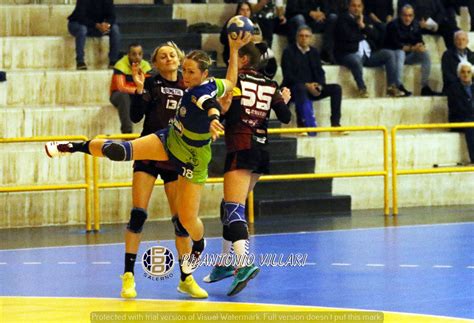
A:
(95, 169)
(385, 177)
(251, 209)
(394, 172)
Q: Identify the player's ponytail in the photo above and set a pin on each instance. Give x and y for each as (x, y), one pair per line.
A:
(201, 58)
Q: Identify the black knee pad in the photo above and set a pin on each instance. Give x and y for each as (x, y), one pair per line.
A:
(179, 230)
(117, 151)
(236, 231)
(137, 220)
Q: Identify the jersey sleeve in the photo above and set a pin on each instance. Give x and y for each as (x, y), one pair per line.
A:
(221, 88)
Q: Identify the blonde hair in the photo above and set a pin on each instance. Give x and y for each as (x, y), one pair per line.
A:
(201, 58)
(171, 44)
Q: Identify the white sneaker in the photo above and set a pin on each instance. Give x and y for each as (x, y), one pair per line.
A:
(58, 148)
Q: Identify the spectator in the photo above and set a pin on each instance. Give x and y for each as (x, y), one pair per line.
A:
(94, 18)
(433, 18)
(356, 46)
(381, 13)
(122, 84)
(404, 37)
(243, 9)
(270, 16)
(453, 56)
(315, 14)
(304, 75)
(461, 103)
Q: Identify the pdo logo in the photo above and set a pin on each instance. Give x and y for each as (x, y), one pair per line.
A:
(158, 263)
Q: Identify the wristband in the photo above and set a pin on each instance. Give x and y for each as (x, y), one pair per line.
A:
(214, 117)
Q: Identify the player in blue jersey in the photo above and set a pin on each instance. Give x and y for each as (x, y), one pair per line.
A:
(185, 144)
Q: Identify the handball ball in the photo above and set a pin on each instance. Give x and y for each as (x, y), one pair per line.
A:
(237, 24)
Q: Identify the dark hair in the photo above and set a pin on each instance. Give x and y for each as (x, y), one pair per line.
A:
(201, 58)
(240, 6)
(133, 45)
(253, 54)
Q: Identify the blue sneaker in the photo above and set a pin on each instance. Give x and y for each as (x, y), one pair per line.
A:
(241, 279)
(219, 273)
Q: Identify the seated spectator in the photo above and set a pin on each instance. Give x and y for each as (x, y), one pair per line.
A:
(453, 8)
(452, 57)
(356, 45)
(433, 18)
(380, 11)
(243, 9)
(461, 103)
(404, 37)
(122, 84)
(94, 18)
(317, 15)
(270, 16)
(304, 75)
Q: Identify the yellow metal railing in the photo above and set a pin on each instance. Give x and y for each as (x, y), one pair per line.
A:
(396, 171)
(384, 172)
(35, 188)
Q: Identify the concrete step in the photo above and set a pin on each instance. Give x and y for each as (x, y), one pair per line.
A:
(99, 119)
(56, 88)
(317, 205)
(51, 52)
(67, 207)
(89, 121)
(387, 112)
(360, 153)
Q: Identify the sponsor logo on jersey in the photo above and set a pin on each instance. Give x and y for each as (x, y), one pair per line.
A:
(172, 91)
(182, 112)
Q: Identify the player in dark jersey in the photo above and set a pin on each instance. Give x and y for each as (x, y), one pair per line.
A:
(186, 143)
(157, 103)
(246, 160)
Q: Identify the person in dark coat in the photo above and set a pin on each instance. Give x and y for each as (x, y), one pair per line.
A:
(453, 56)
(461, 103)
(94, 18)
(304, 75)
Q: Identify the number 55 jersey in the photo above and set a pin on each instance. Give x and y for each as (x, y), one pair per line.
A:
(246, 121)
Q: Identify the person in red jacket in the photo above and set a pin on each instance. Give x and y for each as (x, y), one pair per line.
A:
(122, 85)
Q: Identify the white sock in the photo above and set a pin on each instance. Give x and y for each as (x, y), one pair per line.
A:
(241, 249)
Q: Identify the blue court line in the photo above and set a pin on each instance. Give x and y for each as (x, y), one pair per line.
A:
(422, 289)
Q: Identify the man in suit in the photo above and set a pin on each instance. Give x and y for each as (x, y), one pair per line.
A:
(461, 103)
(304, 75)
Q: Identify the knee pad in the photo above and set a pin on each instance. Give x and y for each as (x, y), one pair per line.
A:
(237, 231)
(137, 220)
(233, 212)
(222, 211)
(117, 151)
(179, 230)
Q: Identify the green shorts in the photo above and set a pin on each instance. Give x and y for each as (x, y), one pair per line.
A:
(192, 162)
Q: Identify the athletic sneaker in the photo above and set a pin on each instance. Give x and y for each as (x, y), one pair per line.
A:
(128, 286)
(189, 265)
(58, 148)
(242, 277)
(190, 287)
(219, 273)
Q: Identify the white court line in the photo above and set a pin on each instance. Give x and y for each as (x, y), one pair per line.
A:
(67, 263)
(442, 266)
(32, 263)
(409, 266)
(3, 263)
(101, 262)
(255, 235)
(340, 264)
(310, 264)
(375, 265)
(470, 267)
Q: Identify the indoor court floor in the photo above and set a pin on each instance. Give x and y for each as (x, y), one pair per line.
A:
(416, 267)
